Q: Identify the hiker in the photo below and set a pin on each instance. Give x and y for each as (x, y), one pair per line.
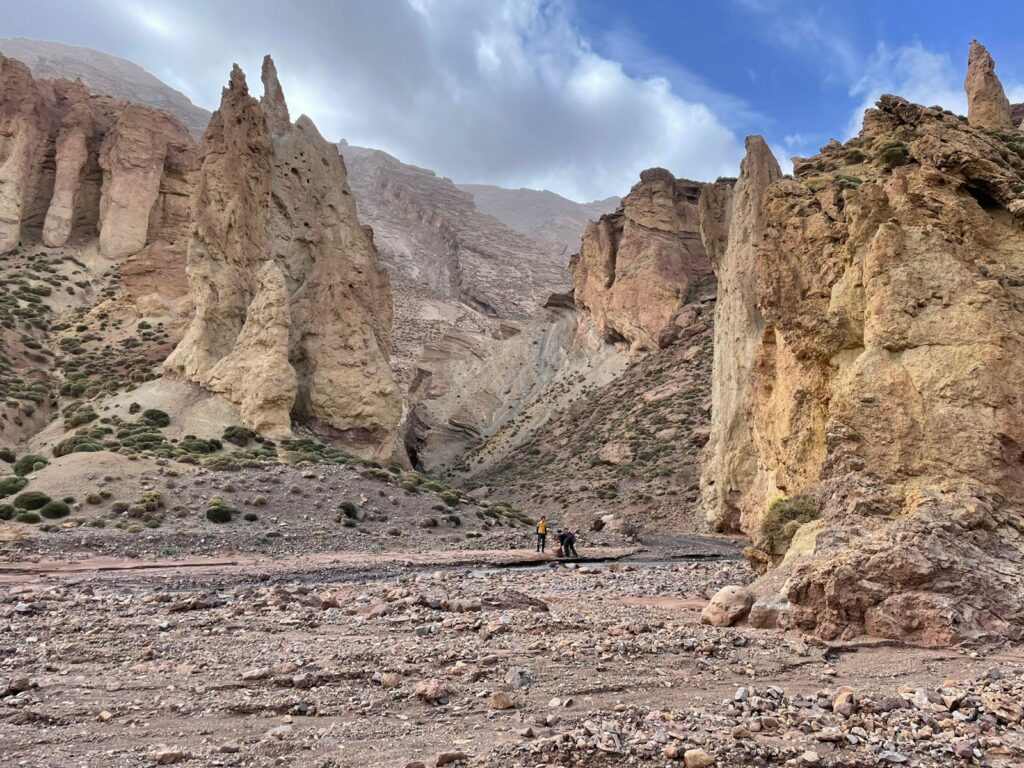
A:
(542, 533)
(569, 544)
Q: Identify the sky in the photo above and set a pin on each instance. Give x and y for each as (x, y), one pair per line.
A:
(575, 96)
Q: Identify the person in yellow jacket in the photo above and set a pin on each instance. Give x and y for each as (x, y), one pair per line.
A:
(542, 533)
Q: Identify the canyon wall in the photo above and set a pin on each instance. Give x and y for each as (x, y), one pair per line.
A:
(293, 307)
(883, 475)
(76, 165)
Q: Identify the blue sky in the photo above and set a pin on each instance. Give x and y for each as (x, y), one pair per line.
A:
(801, 72)
(576, 96)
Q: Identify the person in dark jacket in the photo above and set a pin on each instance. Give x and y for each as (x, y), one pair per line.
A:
(569, 544)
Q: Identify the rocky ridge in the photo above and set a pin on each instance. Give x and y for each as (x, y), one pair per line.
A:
(293, 309)
(885, 492)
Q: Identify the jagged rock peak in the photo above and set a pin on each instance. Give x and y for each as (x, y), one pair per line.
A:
(293, 307)
(732, 225)
(987, 105)
(273, 99)
(78, 165)
(636, 266)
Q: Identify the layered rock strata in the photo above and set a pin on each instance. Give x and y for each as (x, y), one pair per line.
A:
(77, 165)
(636, 266)
(885, 492)
(293, 308)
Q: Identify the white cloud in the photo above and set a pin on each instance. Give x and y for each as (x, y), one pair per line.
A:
(504, 91)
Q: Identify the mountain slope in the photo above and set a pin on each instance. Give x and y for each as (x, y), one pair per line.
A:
(550, 219)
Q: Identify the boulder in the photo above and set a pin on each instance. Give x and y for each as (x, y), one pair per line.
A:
(729, 605)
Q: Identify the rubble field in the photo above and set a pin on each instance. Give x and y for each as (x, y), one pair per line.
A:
(464, 659)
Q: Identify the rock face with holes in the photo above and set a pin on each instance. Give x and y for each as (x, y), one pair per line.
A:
(293, 308)
(636, 266)
(884, 384)
(987, 105)
(77, 165)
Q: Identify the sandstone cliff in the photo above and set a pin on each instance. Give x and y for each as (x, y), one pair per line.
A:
(293, 308)
(885, 427)
(636, 266)
(76, 165)
(732, 224)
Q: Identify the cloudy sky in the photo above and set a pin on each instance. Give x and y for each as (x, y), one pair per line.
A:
(573, 96)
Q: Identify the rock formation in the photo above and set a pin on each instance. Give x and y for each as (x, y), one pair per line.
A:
(732, 224)
(293, 308)
(637, 265)
(77, 164)
(987, 105)
(886, 428)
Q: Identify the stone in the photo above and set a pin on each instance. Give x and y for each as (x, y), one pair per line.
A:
(616, 454)
(432, 690)
(163, 756)
(729, 605)
(697, 758)
(293, 307)
(501, 700)
(987, 105)
(769, 612)
(517, 678)
(448, 758)
(636, 266)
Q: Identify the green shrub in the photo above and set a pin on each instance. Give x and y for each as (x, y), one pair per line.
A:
(31, 500)
(259, 501)
(218, 514)
(239, 436)
(6, 454)
(449, 498)
(782, 520)
(7, 511)
(892, 154)
(54, 510)
(29, 463)
(348, 522)
(250, 517)
(11, 484)
(156, 417)
(119, 507)
(349, 509)
(428, 522)
(28, 517)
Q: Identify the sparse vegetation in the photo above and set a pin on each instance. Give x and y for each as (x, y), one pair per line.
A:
(782, 520)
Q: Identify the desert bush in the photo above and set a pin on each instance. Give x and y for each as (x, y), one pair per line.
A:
(7, 511)
(250, 517)
(219, 512)
(349, 510)
(30, 462)
(239, 436)
(31, 500)
(54, 510)
(449, 498)
(348, 522)
(11, 484)
(155, 417)
(28, 517)
(6, 454)
(783, 518)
